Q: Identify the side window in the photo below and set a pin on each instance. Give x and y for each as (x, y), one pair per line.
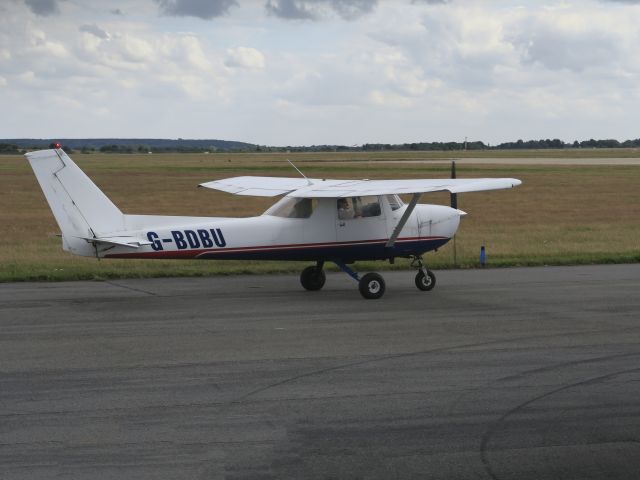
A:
(358, 207)
(369, 206)
(345, 209)
(293, 208)
(303, 208)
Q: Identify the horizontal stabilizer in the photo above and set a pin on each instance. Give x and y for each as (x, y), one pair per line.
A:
(124, 241)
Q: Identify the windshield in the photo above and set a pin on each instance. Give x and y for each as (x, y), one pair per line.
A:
(394, 202)
(289, 207)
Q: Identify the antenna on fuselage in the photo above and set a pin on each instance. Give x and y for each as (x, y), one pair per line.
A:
(309, 182)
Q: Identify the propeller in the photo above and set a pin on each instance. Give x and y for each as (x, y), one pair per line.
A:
(454, 204)
(454, 196)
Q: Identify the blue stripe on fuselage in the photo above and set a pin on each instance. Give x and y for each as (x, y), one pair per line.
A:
(369, 251)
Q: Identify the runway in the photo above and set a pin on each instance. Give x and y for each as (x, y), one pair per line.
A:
(523, 373)
(587, 161)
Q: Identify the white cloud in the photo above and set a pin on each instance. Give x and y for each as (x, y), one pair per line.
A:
(386, 99)
(245, 57)
(135, 49)
(398, 71)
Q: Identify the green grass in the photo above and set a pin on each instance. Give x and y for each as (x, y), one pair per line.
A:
(562, 214)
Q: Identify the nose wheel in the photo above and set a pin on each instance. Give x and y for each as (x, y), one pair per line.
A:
(425, 279)
(425, 282)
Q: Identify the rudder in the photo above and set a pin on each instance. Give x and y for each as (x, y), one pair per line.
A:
(78, 205)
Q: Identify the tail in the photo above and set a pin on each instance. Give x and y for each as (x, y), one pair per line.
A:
(82, 211)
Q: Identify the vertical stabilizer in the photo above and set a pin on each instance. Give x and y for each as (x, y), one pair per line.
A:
(78, 205)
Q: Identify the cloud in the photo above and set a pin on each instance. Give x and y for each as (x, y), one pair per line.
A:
(244, 57)
(204, 9)
(290, 9)
(353, 9)
(560, 41)
(408, 70)
(43, 7)
(317, 9)
(361, 76)
(93, 29)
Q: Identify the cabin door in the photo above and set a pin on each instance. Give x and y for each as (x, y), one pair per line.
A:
(360, 219)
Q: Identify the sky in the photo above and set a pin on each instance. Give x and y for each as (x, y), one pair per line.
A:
(310, 72)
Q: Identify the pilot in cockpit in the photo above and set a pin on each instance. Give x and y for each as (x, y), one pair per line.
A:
(345, 212)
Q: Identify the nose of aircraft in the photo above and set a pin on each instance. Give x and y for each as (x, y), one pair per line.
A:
(452, 221)
(439, 221)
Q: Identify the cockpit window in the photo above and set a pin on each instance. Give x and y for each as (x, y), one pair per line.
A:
(290, 207)
(394, 202)
(358, 207)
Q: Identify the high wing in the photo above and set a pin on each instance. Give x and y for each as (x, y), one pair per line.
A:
(315, 188)
(259, 186)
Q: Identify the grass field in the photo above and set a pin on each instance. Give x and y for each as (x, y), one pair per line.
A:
(560, 215)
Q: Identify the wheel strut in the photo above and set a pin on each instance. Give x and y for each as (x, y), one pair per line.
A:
(345, 268)
(371, 285)
(425, 279)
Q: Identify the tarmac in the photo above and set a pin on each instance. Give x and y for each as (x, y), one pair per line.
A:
(520, 373)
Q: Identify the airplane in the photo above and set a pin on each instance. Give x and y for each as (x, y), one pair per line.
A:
(316, 220)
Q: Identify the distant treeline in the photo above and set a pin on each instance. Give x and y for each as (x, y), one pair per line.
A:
(117, 145)
(132, 145)
(518, 145)
(449, 146)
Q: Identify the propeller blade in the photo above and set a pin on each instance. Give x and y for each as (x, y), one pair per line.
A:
(454, 196)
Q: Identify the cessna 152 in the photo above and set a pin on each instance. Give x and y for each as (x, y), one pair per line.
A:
(316, 220)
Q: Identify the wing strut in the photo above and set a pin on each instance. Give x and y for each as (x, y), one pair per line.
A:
(403, 220)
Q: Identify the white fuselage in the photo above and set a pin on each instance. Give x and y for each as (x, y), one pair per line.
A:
(323, 235)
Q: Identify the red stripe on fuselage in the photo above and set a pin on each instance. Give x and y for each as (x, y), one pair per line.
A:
(194, 253)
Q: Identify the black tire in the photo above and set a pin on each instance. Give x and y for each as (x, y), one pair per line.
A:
(312, 278)
(425, 283)
(372, 286)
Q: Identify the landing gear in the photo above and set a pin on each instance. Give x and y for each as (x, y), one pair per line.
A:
(425, 282)
(313, 278)
(425, 279)
(371, 286)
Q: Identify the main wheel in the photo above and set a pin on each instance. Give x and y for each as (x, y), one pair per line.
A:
(372, 286)
(425, 283)
(312, 278)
